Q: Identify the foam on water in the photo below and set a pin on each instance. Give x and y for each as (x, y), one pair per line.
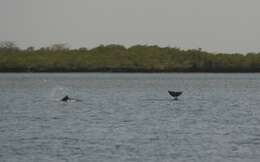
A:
(59, 92)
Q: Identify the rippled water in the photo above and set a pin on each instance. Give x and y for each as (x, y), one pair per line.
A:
(129, 117)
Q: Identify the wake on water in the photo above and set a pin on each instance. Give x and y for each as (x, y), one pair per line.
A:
(58, 93)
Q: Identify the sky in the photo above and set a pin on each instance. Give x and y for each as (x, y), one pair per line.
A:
(214, 25)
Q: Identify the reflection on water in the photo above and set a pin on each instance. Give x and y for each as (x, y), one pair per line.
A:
(130, 117)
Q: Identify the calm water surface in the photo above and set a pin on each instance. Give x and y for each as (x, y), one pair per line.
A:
(129, 118)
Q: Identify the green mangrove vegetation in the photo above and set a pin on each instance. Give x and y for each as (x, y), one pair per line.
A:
(117, 58)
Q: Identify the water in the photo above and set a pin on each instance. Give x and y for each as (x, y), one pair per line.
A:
(129, 118)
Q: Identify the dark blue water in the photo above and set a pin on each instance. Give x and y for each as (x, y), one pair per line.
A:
(129, 118)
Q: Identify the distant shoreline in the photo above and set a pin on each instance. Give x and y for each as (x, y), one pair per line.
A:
(119, 72)
(118, 59)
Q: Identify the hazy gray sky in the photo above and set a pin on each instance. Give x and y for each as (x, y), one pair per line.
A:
(214, 25)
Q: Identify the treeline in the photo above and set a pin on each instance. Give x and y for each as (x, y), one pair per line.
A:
(117, 58)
